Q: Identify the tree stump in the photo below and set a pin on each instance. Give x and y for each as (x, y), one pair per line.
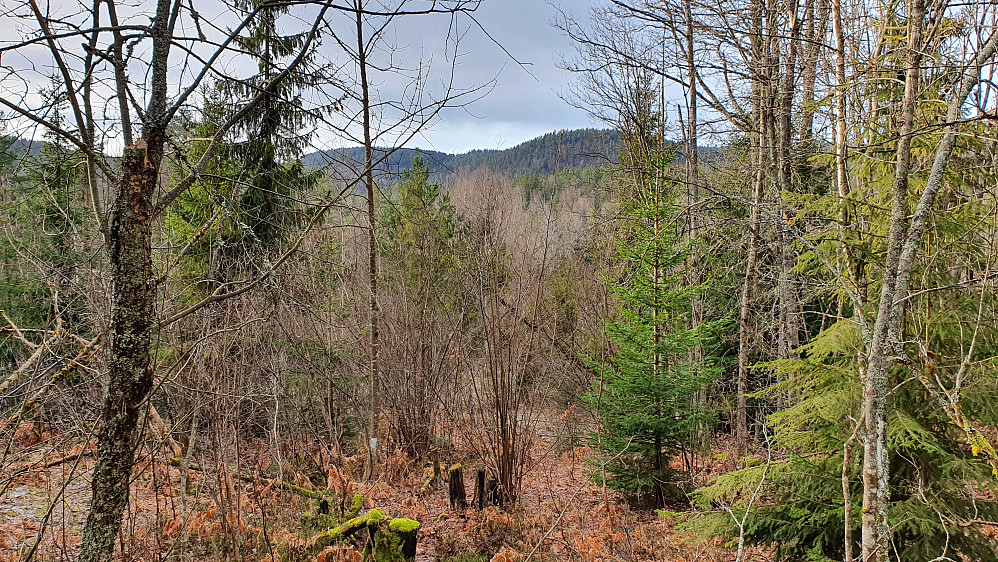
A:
(480, 501)
(407, 531)
(458, 497)
(495, 497)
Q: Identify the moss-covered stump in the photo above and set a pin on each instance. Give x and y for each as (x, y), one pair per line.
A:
(407, 531)
(371, 519)
(388, 540)
(395, 542)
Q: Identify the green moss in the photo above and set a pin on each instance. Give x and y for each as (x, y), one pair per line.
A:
(403, 525)
(315, 523)
(375, 516)
(387, 548)
(355, 506)
(455, 467)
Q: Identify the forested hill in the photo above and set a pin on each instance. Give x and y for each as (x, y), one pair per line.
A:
(543, 155)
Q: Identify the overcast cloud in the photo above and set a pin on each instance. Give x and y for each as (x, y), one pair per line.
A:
(525, 102)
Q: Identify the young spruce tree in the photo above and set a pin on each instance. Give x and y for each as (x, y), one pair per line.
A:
(645, 394)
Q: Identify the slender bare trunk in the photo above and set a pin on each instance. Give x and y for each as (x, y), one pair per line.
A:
(372, 244)
(788, 331)
(817, 23)
(759, 101)
(840, 100)
(693, 175)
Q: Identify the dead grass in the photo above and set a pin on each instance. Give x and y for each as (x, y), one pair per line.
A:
(562, 515)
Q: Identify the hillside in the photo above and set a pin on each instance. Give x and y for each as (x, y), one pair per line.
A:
(543, 155)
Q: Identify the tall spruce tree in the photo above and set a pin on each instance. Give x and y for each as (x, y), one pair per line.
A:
(205, 221)
(645, 393)
(273, 135)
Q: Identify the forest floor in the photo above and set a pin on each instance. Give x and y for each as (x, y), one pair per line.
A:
(562, 514)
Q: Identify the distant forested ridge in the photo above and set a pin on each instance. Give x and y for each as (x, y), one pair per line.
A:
(543, 155)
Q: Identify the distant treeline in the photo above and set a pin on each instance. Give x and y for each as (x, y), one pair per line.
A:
(543, 155)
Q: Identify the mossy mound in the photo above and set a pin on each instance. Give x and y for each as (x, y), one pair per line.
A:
(403, 525)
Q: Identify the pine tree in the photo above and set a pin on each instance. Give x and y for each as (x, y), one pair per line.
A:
(244, 200)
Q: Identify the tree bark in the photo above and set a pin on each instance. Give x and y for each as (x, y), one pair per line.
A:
(129, 369)
(458, 495)
(884, 344)
(480, 498)
(759, 101)
(788, 329)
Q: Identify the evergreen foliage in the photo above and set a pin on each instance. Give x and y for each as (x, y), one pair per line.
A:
(646, 393)
(246, 199)
(205, 219)
(273, 135)
(420, 228)
(41, 245)
(940, 489)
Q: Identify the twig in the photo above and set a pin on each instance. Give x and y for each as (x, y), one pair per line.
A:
(748, 507)
(846, 496)
(253, 479)
(47, 387)
(86, 452)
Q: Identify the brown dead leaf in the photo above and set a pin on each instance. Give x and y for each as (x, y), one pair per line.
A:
(506, 554)
(339, 554)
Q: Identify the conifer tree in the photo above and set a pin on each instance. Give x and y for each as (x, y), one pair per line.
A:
(645, 393)
(205, 220)
(274, 134)
(43, 227)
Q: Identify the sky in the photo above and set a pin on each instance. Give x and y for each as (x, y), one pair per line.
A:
(525, 101)
(512, 51)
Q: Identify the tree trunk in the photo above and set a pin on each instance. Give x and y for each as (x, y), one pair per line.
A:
(458, 496)
(884, 345)
(760, 99)
(788, 329)
(815, 34)
(480, 498)
(129, 369)
(372, 243)
(840, 100)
